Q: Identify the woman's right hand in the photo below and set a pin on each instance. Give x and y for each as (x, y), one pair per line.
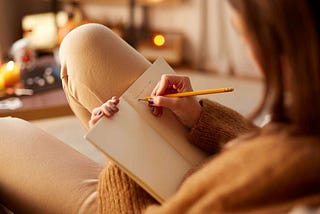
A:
(187, 109)
(107, 109)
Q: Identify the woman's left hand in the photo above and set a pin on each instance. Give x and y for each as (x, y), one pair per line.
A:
(107, 109)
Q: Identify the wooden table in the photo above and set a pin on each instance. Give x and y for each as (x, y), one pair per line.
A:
(52, 103)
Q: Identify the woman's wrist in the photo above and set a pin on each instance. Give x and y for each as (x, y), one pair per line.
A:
(195, 115)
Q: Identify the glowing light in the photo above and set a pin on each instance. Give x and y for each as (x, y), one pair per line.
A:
(10, 66)
(10, 74)
(159, 40)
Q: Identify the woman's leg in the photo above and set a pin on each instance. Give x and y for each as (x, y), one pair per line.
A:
(40, 174)
(96, 65)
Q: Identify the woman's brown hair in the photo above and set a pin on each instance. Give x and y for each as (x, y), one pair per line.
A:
(286, 31)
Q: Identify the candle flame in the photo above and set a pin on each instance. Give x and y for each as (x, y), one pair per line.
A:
(10, 66)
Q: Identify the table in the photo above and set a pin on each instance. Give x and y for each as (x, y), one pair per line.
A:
(52, 103)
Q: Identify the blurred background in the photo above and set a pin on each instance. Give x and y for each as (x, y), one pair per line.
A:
(195, 36)
(190, 33)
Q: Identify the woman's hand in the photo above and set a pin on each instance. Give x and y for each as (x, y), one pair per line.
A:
(187, 109)
(107, 109)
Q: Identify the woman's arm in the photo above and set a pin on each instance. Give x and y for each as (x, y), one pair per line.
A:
(212, 125)
(217, 126)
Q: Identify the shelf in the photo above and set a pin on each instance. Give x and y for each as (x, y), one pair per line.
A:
(52, 103)
(98, 1)
(138, 2)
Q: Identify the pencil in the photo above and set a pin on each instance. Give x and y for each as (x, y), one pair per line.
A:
(193, 93)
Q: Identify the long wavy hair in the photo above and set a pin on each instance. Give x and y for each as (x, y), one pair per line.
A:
(286, 29)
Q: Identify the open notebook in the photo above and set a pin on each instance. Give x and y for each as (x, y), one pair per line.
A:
(154, 151)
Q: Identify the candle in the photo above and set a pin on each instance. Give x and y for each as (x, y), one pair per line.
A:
(2, 85)
(10, 73)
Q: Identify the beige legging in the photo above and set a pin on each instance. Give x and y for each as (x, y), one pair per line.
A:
(40, 174)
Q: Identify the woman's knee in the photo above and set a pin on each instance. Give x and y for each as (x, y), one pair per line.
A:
(97, 64)
(79, 51)
(12, 127)
(17, 134)
(92, 53)
(81, 45)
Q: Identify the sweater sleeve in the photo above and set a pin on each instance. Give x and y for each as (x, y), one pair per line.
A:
(118, 193)
(216, 126)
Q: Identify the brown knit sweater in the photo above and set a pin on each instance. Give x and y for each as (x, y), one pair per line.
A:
(269, 172)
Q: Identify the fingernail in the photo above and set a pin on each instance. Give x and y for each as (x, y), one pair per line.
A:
(150, 101)
(109, 109)
(113, 108)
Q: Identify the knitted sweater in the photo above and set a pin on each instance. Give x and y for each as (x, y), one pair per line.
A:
(271, 171)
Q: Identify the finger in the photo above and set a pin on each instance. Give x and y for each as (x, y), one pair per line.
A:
(170, 103)
(157, 111)
(94, 119)
(91, 124)
(115, 100)
(163, 84)
(109, 111)
(154, 91)
(95, 112)
(173, 83)
(107, 105)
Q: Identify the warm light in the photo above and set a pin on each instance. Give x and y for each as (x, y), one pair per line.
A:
(9, 74)
(2, 83)
(10, 66)
(159, 40)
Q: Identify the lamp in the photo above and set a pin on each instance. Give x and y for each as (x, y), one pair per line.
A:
(153, 44)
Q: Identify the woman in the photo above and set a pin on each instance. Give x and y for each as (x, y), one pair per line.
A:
(275, 168)
(268, 170)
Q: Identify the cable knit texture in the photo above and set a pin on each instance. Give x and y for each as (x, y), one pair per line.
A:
(270, 172)
(217, 125)
(120, 194)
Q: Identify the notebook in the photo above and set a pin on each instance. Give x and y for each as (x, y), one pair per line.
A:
(153, 151)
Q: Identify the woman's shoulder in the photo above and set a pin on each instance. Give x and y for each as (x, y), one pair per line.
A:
(274, 147)
(268, 167)
(276, 134)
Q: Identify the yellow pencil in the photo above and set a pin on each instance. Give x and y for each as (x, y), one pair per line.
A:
(193, 93)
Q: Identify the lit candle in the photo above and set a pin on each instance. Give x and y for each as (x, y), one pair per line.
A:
(10, 73)
(2, 85)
